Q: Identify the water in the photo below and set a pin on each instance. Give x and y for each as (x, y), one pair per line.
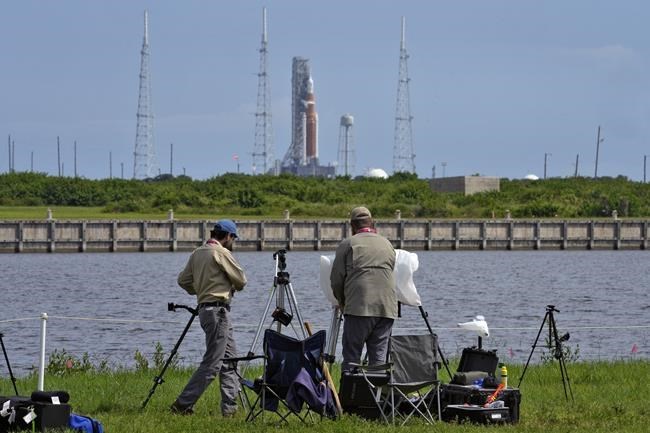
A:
(602, 296)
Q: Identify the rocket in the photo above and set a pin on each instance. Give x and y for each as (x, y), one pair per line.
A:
(311, 124)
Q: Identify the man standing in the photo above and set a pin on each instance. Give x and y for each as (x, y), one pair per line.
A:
(213, 275)
(362, 282)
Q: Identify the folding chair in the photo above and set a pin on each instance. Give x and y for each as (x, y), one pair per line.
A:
(412, 380)
(292, 375)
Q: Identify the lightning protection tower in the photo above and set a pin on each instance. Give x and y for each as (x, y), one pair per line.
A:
(403, 155)
(144, 155)
(263, 148)
(346, 146)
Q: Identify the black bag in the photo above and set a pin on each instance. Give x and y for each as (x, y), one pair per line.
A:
(473, 359)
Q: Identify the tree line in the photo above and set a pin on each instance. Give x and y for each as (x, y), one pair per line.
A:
(247, 195)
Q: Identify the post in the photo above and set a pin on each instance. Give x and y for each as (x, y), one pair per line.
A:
(598, 140)
(83, 237)
(317, 243)
(538, 230)
(645, 157)
(260, 245)
(41, 365)
(20, 236)
(429, 234)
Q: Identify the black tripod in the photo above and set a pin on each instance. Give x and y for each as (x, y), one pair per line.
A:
(11, 374)
(554, 344)
(158, 380)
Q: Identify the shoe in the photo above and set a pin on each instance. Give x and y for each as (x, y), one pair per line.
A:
(176, 409)
(229, 413)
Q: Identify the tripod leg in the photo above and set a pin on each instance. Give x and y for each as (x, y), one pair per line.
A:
(159, 379)
(11, 373)
(541, 328)
(292, 299)
(425, 316)
(251, 352)
(333, 332)
(559, 354)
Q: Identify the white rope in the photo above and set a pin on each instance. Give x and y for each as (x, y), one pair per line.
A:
(167, 322)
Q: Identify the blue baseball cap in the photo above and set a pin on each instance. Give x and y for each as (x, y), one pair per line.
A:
(227, 226)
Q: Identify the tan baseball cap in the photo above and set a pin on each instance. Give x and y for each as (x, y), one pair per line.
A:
(360, 213)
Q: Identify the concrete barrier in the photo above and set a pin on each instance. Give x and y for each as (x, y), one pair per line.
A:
(176, 235)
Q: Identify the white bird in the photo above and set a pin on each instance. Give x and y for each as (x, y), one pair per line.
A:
(478, 325)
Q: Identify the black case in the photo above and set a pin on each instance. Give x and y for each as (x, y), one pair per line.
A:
(476, 414)
(48, 415)
(460, 394)
(356, 397)
(473, 359)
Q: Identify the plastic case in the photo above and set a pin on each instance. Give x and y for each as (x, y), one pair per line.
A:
(476, 414)
(473, 359)
(48, 416)
(451, 394)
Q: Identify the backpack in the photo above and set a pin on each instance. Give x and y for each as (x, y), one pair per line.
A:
(85, 424)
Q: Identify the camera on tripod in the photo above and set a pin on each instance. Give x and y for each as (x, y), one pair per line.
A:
(280, 256)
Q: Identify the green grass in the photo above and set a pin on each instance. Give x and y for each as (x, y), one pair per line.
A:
(609, 397)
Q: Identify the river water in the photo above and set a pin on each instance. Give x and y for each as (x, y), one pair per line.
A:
(112, 304)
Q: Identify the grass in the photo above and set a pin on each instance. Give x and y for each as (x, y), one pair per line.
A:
(609, 397)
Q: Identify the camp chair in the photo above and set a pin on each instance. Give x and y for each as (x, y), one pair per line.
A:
(412, 379)
(292, 375)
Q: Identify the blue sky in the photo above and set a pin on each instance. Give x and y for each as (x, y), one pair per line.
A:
(495, 84)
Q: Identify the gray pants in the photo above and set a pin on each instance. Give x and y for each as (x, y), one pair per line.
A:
(219, 343)
(374, 332)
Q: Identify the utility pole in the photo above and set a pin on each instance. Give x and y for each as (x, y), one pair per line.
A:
(171, 158)
(58, 154)
(9, 147)
(110, 165)
(546, 155)
(645, 157)
(75, 158)
(31, 166)
(598, 141)
(576, 172)
(122, 170)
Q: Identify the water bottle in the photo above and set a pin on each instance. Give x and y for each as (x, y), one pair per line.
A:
(503, 373)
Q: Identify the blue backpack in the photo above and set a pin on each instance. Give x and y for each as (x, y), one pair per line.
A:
(85, 424)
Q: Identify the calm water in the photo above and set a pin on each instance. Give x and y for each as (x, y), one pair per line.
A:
(602, 295)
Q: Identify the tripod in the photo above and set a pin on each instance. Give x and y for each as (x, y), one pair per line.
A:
(11, 374)
(284, 295)
(554, 343)
(158, 380)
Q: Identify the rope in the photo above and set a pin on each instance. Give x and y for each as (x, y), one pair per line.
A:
(167, 322)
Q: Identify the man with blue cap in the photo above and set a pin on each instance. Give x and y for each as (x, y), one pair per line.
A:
(213, 275)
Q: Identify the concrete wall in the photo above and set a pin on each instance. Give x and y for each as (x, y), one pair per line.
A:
(81, 236)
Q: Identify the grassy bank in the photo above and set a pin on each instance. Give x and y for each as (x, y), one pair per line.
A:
(609, 397)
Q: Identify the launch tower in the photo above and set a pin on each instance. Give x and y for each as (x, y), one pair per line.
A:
(144, 154)
(263, 149)
(302, 156)
(403, 155)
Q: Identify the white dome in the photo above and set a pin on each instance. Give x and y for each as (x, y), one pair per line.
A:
(377, 172)
(531, 177)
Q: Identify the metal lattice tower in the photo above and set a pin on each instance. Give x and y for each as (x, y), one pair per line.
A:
(144, 155)
(300, 74)
(345, 166)
(403, 155)
(263, 149)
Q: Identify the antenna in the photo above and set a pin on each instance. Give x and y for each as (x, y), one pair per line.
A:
(403, 155)
(263, 146)
(75, 158)
(171, 158)
(144, 155)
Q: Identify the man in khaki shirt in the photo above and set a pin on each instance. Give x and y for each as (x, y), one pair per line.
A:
(213, 275)
(362, 282)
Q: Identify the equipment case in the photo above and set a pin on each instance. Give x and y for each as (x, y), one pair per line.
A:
(451, 394)
(48, 415)
(473, 359)
(475, 414)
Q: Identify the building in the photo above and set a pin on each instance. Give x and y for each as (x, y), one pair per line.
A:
(467, 185)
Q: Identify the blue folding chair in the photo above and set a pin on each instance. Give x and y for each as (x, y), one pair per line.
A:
(292, 376)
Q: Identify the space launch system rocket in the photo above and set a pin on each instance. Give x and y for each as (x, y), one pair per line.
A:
(311, 124)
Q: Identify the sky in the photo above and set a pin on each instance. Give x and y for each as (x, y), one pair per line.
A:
(497, 87)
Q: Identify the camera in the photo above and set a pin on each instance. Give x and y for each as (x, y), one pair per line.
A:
(281, 257)
(282, 316)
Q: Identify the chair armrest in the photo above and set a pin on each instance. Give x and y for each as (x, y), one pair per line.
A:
(244, 358)
(378, 367)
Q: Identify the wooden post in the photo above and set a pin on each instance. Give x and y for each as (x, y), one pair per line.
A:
(114, 237)
(52, 236)
(455, 234)
(143, 239)
(644, 236)
(565, 234)
(174, 236)
(260, 230)
(511, 235)
(429, 234)
(617, 235)
(590, 235)
(401, 234)
(483, 235)
(290, 235)
(538, 235)
(317, 243)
